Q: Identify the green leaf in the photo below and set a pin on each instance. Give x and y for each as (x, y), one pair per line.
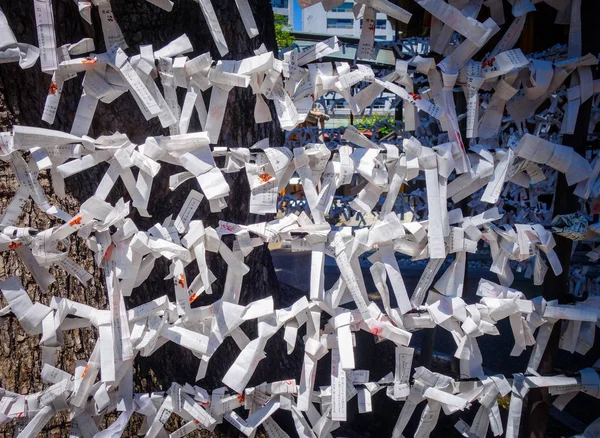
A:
(283, 32)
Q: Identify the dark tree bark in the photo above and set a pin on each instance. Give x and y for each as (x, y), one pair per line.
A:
(557, 287)
(22, 97)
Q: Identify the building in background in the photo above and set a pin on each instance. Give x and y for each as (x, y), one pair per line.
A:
(314, 24)
(340, 21)
(339, 112)
(284, 7)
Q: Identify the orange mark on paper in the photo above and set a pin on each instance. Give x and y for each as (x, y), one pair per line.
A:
(53, 88)
(415, 96)
(488, 63)
(181, 280)
(228, 228)
(108, 252)
(89, 61)
(85, 370)
(76, 221)
(265, 177)
(14, 245)
(241, 398)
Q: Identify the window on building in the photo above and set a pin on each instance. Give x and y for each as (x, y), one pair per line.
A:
(340, 104)
(379, 24)
(340, 23)
(379, 104)
(344, 7)
(279, 3)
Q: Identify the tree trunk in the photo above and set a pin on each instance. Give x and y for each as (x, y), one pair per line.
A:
(557, 287)
(22, 97)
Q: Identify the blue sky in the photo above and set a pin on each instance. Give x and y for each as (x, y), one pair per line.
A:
(297, 24)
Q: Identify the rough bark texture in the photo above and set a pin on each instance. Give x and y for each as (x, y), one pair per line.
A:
(22, 96)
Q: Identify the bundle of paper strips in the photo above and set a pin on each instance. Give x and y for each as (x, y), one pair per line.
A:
(502, 161)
